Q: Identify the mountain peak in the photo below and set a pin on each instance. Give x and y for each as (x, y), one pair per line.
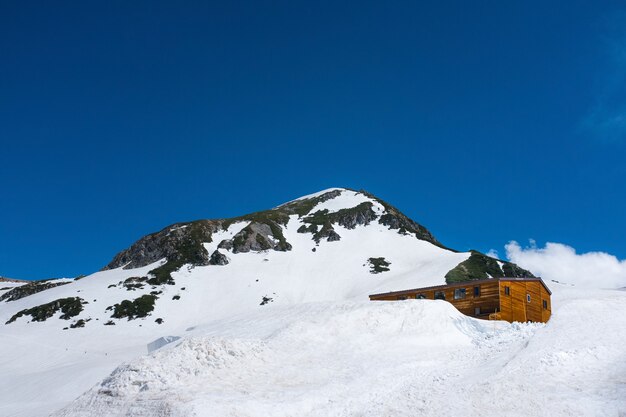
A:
(314, 220)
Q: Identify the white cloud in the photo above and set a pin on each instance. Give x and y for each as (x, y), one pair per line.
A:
(560, 262)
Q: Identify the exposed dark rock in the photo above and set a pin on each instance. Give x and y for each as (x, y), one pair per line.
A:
(79, 323)
(480, 266)
(175, 242)
(352, 217)
(333, 236)
(258, 237)
(266, 300)
(218, 258)
(395, 220)
(378, 265)
(326, 232)
(134, 283)
(311, 228)
(348, 218)
(70, 307)
(225, 244)
(30, 289)
(183, 243)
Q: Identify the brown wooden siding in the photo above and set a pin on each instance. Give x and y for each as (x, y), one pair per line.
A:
(493, 301)
(516, 307)
(547, 311)
(487, 302)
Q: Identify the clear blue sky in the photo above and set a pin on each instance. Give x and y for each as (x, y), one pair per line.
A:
(485, 121)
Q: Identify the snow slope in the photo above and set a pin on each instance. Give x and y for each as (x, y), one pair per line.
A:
(416, 357)
(317, 346)
(38, 357)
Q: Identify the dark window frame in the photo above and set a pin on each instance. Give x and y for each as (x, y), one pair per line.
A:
(440, 295)
(460, 293)
(545, 304)
(507, 290)
(477, 291)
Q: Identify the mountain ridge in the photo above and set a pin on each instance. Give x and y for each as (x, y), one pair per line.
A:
(182, 242)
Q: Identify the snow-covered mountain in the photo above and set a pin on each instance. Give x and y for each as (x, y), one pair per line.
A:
(270, 302)
(337, 244)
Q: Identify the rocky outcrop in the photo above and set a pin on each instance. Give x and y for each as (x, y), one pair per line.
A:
(257, 237)
(70, 307)
(218, 258)
(395, 220)
(326, 232)
(30, 289)
(181, 241)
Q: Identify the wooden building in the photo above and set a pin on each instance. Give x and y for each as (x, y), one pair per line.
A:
(510, 299)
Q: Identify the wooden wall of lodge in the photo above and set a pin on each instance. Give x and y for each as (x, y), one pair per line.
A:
(492, 299)
(516, 307)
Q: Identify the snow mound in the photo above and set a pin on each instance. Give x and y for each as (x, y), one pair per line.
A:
(299, 360)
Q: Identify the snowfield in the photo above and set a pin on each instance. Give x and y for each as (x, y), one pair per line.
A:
(317, 346)
(375, 359)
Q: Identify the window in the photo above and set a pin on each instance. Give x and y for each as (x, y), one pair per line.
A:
(545, 305)
(528, 297)
(420, 297)
(459, 293)
(507, 290)
(402, 297)
(476, 291)
(440, 295)
(477, 311)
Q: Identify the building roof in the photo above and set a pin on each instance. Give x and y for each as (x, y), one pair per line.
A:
(462, 284)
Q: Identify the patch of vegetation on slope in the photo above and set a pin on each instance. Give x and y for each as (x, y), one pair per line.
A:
(134, 283)
(378, 265)
(189, 250)
(479, 266)
(30, 289)
(139, 307)
(321, 222)
(181, 243)
(304, 207)
(70, 307)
